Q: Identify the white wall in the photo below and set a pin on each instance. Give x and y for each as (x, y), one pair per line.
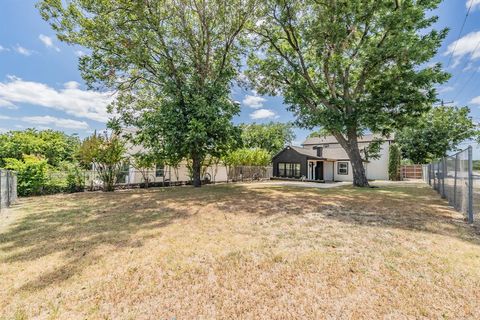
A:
(374, 169)
(217, 173)
(328, 168)
(378, 169)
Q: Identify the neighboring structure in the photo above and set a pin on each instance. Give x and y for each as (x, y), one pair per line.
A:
(324, 159)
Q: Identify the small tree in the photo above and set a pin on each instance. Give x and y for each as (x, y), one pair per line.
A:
(144, 162)
(436, 133)
(394, 163)
(273, 136)
(106, 154)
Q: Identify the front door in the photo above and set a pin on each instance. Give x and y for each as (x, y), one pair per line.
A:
(319, 171)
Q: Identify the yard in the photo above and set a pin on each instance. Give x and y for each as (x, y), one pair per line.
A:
(252, 251)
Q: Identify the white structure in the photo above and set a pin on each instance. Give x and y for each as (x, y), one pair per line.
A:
(324, 159)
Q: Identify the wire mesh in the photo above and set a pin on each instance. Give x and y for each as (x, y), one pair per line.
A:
(453, 178)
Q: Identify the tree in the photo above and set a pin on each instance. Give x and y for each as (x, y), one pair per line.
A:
(172, 63)
(54, 146)
(248, 157)
(144, 162)
(106, 154)
(348, 66)
(436, 133)
(272, 136)
(394, 161)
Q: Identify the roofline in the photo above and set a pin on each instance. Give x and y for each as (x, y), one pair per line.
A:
(318, 143)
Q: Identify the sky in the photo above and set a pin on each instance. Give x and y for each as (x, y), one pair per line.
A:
(41, 87)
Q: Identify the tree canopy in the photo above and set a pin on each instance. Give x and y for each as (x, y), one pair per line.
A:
(348, 66)
(273, 136)
(437, 133)
(53, 146)
(106, 153)
(172, 63)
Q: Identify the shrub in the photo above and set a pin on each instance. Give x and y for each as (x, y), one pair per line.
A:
(31, 174)
(394, 162)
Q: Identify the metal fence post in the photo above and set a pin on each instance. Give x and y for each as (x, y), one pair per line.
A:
(455, 182)
(443, 178)
(8, 189)
(470, 185)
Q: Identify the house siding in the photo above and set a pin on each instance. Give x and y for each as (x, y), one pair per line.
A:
(289, 155)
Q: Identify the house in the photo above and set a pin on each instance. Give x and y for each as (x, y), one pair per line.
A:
(324, 159)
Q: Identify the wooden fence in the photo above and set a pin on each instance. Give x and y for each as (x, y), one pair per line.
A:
(413, 171)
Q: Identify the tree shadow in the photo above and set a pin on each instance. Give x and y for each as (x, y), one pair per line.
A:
(74, 226)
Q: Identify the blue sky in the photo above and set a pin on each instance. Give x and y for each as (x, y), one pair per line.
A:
(41, 87)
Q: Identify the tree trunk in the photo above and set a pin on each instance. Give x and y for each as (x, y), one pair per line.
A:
(358, 170)
(196, 168)
(353, 152)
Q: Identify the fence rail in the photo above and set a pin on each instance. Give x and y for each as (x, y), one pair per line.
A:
(454, 179)
(8, 188)
(412, 171)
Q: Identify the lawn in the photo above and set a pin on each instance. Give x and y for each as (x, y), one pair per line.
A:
(239, 251)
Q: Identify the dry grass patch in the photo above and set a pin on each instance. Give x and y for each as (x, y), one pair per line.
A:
(240, 251)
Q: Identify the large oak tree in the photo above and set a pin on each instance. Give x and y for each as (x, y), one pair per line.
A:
(172, 63)
(349, 66)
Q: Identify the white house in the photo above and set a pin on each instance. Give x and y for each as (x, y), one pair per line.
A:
(324, 159)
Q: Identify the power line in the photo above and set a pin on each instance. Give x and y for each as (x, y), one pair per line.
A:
(460, 34)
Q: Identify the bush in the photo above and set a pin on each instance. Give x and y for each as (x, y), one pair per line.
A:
(248, 157)
(36, 177)
(394, 163)
(31, 174)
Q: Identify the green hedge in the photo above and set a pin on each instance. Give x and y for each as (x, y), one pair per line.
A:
(36, 177)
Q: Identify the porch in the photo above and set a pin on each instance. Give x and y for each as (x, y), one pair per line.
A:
(320, 170)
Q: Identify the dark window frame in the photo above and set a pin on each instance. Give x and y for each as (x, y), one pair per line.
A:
(338, 168)
(159, 170)
(289, 169)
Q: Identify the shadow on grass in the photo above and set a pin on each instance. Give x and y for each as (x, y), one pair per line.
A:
(75, 225)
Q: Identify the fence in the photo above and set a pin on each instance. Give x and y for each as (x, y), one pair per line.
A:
(242, 173)
(8, 188)
(414, 171)
(454, 179)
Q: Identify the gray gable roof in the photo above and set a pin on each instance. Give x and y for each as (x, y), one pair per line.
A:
(332, 139)
(311, 153)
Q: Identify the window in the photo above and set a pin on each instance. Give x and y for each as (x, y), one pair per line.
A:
(289, 170)
(342, 168)
(159, 170)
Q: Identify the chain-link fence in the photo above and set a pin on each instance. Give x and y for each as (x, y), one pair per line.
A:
(455, 180)
(8, 188)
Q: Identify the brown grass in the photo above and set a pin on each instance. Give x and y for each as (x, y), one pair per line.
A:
(233, 251)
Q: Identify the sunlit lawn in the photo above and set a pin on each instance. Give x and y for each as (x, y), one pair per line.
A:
(239, 251)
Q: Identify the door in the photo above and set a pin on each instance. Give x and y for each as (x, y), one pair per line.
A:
(319, 171)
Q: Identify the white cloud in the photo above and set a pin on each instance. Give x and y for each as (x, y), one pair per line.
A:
(263, 114)
(474, 3)
(23, 51)
(43, 121)
(468, 45)
(71, 100)
(7, 104)
(254, 102)
(71, 85)
(475, 100)
(4, 117)
(48, 42)
(2, 48)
